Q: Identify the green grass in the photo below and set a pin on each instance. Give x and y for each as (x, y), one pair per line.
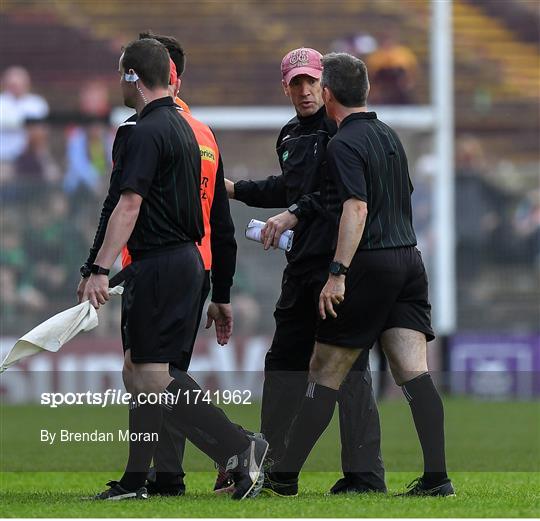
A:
(478, 495)
(493, 453)
(480, 436)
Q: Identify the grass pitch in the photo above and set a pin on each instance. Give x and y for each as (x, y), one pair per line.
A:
(59, 494)
(493, 456)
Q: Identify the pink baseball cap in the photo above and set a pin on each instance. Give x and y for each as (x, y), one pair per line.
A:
(301, 61)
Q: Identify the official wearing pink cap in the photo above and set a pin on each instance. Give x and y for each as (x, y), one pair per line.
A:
(301, 61)
(301, 150)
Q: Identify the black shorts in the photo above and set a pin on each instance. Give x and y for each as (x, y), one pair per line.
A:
(160, 305)
(296, 317)
(384, 289)
(183, 364)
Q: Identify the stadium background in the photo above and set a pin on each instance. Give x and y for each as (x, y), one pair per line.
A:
(52, 192)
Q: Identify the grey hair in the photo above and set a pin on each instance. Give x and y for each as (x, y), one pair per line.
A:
(347, 77)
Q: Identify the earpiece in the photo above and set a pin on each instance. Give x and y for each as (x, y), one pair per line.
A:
(131, 78)
(134, 78)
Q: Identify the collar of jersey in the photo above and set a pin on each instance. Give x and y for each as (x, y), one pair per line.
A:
(160, 102)
(359, 115)
(308, 120)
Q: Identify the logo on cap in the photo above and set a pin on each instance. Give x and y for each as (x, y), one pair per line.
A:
(299, 58)
(301, 61)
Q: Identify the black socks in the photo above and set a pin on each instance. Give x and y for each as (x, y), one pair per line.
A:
(212, 430)
(314, 416)
(428, 415)
(144, 427)
(282, 396)
(206, 417)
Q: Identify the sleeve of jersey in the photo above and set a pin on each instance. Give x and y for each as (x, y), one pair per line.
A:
(309, 205)
(113, 194)
(140, 162)
(347, 168)
(222, 242)
(267, 193)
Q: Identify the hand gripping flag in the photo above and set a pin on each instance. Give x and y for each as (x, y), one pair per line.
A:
(52, 334)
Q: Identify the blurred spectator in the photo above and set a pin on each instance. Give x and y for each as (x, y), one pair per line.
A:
(247, 315)
(54, 244)
(36, 162)
(88, 153)
(526, 224)
(359, 44)
(17, 104)
(12, 253)
(480, 209)
(88, 147)
(94, 100)
(17, 294)
(392, 73)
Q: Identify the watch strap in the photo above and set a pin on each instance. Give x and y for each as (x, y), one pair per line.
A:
(98, 270)
(294, 209)
(336, 268)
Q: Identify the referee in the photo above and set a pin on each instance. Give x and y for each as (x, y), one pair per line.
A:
(377, 285)
(301, 148)
(218, 252)
(159, 216)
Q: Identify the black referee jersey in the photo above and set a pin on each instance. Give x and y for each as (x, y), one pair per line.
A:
(161, 163)
(366, 161)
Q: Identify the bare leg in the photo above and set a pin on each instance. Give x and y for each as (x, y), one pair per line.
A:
(406, 351)
(330, 365)
(145, 378)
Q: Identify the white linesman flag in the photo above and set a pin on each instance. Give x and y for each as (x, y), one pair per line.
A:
(52, 334)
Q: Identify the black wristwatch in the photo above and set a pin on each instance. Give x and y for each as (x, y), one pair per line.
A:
(336, 268)
(85, 271)
(98, 270)
(294, 209)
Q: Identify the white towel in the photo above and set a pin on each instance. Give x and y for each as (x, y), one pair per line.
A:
(52, 334)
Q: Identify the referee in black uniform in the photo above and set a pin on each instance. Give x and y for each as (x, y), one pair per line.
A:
(167, 478)
(159, 215)
(377, 285)
(301, 149)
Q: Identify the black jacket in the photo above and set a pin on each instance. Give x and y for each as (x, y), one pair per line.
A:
(223, 243)
(301, 149)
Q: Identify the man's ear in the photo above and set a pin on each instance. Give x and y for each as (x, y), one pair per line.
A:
(174, 88)
(326, 95)
(285, 89)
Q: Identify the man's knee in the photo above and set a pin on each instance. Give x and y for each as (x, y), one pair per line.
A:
(127, 372)
(145, 378)
(406, 351)
(330, 364)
